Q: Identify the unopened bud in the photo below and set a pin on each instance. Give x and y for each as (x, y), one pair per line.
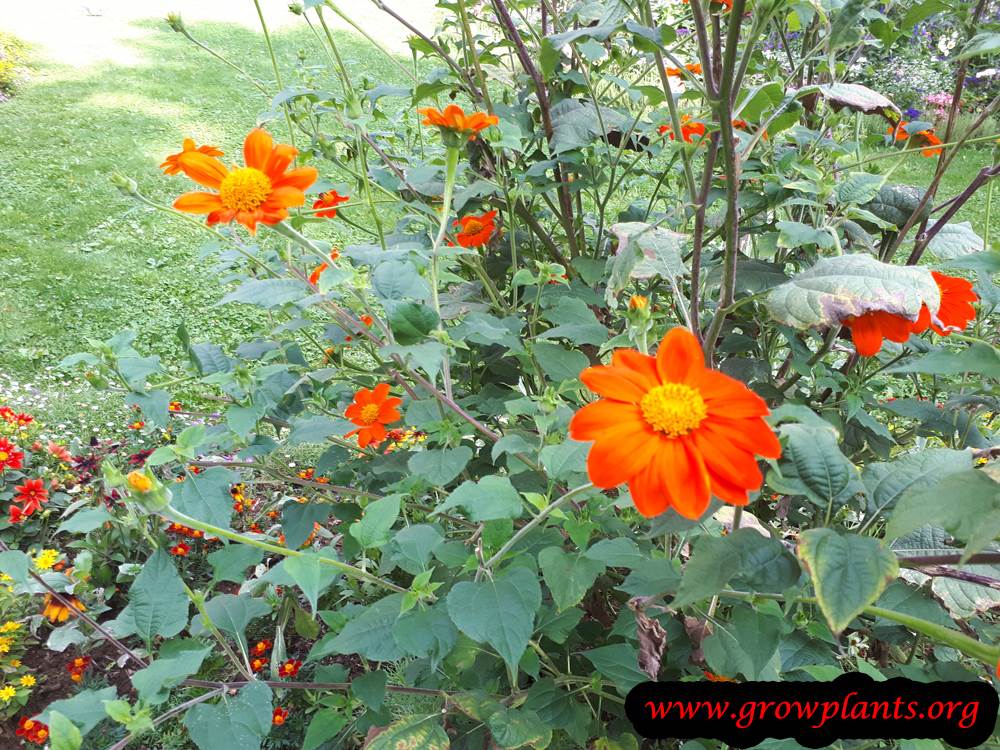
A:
(126, 184)
(175, 22)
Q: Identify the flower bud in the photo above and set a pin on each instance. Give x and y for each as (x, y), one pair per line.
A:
(175, 22)
(126, 184)
(139, 482)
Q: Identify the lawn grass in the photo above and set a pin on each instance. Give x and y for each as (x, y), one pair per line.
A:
(79, 260)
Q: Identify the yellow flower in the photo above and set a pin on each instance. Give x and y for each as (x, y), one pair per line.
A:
(15, 663)
(139, 482)
(4, 577)
(27, 681)
(46, 559)
(6, 693)
(10, 626)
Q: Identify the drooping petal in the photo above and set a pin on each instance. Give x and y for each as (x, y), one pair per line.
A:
(648, 492)
(257, 148)
(685, 474)
(198, 202)
(727, 396)
(679, 356)
(205, 170)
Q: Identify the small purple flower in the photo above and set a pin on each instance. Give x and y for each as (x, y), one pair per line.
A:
(912, 113)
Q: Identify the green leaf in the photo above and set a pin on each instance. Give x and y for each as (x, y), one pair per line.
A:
(955, 240)
(971, 513)
(983, 43)
(369, 688)
(426, 632)
(85, 709)
(375, 526)
(794, 234)
(440, 466)
(845, 285)
(231, 614)
(205, 497)
(565, 460)
(651, 577)
(812, 465)
(84, 521)
(240, 722)
(325, 724)
(398, 280)
(517, 727)
(15, 564)
(886, 482)
(311, 575)
(369, 634)
(848, 571)
(490, 498)
(231, 562)
(713, 562)
(499, 612)
(577, 124)
(158, 604)
(569, 575)
(412, 733)
(267, 293)
(299, 519)
(616, 552)
(896, 203)
(981, 359)
(411, 322)
(316, 429)
(558, 362)
(859, 187)
(619, 663)
(744, 645)
(661, 250)
(858, 98)
(176, 661)
(412, 547)
(63, 733)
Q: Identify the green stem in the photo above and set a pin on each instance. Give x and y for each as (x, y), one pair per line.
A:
(274, 66)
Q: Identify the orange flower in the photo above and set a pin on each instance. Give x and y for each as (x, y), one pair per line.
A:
(924, 138)
(330, 200)
(258, 664)
(367, 320)
(956, 308)
(290, 668)
(262, 647)
(475, 230)
(318, 270)
(371, 411)
(262, 191)
(638, 302)
(454, 118)
(175, 406)
(693, 68)
(181, 549)
(171, 164)
(32, 730)
(674, 430)
(712, 677)
(279, 716)
(954, 313)
(689, 128)
(55, 611)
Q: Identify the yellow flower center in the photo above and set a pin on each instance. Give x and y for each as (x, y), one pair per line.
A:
(369, 413)
(473, 226)
(673, 409)
(244, 189)
(4, 456)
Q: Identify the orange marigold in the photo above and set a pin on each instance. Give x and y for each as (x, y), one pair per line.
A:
(171, 165)
(372, 410)
(674, 430)
(689, 128)
(260, 192)
(454, 118)
(279, 716)
(290, 668)
(329, 201)
(475, 230)
(55, 611)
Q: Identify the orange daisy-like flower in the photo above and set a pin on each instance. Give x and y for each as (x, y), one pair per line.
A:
(181, 549)
(279, 716)
(956, 311)
(290, 668)
(693, 68)
(329, 201)
(372, 410)
(675, 431)
(925, 138)
(32, 730)
(262, 647)
(475, 230)
(689, 128)
(454, 118)
(172, 164)
(258, 664)
(55, 611)
(260, 192)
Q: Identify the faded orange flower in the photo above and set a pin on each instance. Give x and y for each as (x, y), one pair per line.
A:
(454, 118)
(674, 430)
(329, 201)
(693, 68)
(55, 611)
(260, 192)
(171, 165)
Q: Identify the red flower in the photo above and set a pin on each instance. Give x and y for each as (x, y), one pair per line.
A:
(31, 495)
(175, 406)
(258, 664)
(367, 320)
(137, 425)
(262, 647)
(475, 230)
(318, 270)
(290, 668)
(869, 330)
(280, 714)
(330, 200)
(6, 414)
(372, 410)
(32, 730)
(10, 456)
(77, 667)
(23, 419)
(923, 138)
(181, 549)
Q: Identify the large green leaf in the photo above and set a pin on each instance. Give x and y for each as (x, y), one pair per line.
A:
(231, 614)
(369, 634)
(660, 254)
(490, 498)
(158, 604)
(205, 497)
(231, 562)
(375, 526)
(955, 240)
(971, 513)
(848, 571)
(325, 725)
(745, 645)
(426, 632)
(812, 465)
(982, 359)
(299, 519)
(982, 44)
(845, 285)
(440, 466)
(499, 612)
(175, 661)
(268, 293)
(895, 203)
(858, 98)
(517, 727)
(618, 662)
(311, 575)
(63, 733)
(886, 482)
(577, 124)
(569, 575)
(242, 721)
(413, 733)
(85, 709)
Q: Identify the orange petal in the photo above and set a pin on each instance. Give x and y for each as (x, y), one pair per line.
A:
(866, 334)
(380, 392)
(679, 356)
(735, 466)
(205, 170)
(621, 453)
(284, 197)
(752, 435)
(618, 383)
(641, 364)
(727, 396)
(300, 178)
(594, 418)
(281, 156)
(649, 494)
(198, 202)
(685, 474)
(729, 493)
(257, 147)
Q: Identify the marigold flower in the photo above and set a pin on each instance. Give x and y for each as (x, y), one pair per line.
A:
(171, 165)
(258, 664)
(280, 714)
(689, 129)
(475, 230)
(175, 406)
(181, 549)
(371, 411)
(956, 310)
(290, 668)
(139, 482)
(262, 647)
(454, 118)
(674, 430)
(10, 456)
(32, 730)
(329, 201)
(693, 68)
(55, 611)
(638, 302)
(78, 667)
(260, 192)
